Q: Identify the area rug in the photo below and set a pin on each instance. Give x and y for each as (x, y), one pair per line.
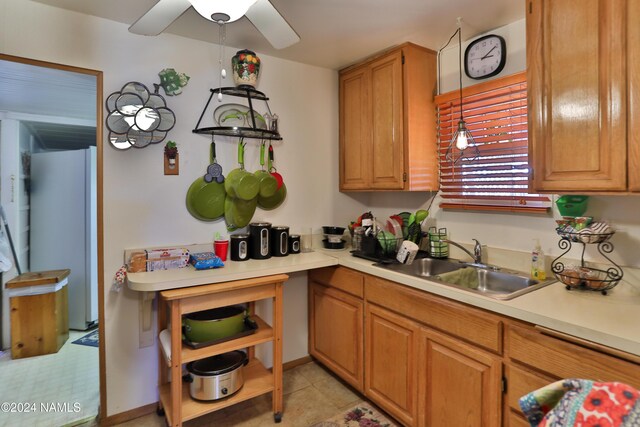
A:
(361, 415)
(91, 339)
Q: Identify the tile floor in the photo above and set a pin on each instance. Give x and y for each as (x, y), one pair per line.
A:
(311, 395)
(69, 376)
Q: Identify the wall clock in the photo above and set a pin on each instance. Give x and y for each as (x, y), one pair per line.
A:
(485, 57)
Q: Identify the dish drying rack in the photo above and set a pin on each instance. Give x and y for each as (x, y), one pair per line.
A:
(583, 277)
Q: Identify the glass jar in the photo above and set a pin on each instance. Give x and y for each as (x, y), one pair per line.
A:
(356, 240)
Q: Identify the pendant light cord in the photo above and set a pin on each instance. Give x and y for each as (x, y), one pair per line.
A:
(460, 67)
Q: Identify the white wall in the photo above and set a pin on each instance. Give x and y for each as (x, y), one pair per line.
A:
(142, 207)
(515, 39)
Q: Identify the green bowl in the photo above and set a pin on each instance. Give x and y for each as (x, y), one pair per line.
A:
(572, 205)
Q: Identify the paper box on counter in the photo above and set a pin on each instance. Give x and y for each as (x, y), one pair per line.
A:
(158, 259)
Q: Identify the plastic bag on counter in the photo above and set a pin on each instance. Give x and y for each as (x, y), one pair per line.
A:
(206, 260)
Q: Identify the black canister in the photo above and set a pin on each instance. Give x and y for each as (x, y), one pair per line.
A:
(280, 240)
(239, 247)
(259, 240)
(294, 243)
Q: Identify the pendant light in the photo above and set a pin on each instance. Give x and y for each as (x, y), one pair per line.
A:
(462, 141)
(222, 10)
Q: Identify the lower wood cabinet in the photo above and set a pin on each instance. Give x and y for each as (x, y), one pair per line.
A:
(335, 332)
(432, 362)
(391, 362)
(459, 384)
(521, 381)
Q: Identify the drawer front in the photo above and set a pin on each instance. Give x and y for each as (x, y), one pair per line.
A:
(516, 420)
(564, 359)
(521, 382)
(342, 278)
(471, 324)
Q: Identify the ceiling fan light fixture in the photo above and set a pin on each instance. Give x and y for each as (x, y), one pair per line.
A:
(222, 10)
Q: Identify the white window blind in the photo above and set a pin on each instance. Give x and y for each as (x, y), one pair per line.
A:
(496, 114)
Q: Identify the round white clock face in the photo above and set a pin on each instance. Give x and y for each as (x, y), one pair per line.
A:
(485, 57)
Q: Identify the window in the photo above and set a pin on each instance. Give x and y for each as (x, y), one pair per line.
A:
(496, 114)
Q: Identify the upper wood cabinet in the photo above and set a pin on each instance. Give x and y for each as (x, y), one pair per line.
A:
(579, 92)
(388, 122)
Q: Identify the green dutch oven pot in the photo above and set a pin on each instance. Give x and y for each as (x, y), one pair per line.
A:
(214, 324)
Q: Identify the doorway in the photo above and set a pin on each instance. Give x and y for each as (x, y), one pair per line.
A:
(51, 191)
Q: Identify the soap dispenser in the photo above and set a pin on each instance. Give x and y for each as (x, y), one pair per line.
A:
(538, 271)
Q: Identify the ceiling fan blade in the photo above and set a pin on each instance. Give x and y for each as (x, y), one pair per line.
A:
(159, 17)
(272, 25)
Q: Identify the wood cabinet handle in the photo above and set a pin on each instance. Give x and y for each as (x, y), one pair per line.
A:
(588, 344)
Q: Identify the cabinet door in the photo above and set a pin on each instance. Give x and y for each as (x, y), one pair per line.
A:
(390, 362)
(460, 385)
(633, 74)
(387, 123)
(520, 382)
(577, 94)
(335, 332)
(355, 129)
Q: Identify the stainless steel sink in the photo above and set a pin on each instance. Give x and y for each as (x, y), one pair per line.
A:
(425, 267)
(485, 280)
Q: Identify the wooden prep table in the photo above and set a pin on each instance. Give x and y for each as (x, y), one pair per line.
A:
(175, 400)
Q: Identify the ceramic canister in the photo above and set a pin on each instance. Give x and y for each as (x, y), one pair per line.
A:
(239, 247)
(246, 68)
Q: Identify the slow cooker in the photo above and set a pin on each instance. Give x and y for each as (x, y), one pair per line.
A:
(216, 377)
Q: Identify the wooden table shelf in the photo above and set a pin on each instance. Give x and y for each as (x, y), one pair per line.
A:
(257, 381)
(263, 334)
(175, 400)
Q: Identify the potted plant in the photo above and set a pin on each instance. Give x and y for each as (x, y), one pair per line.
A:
(171, 151)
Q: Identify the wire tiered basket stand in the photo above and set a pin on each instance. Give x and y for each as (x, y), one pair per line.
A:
(583, 277)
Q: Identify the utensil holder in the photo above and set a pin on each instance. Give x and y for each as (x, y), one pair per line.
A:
(438, 248)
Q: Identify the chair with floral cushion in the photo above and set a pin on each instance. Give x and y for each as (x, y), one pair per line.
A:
(577, 403)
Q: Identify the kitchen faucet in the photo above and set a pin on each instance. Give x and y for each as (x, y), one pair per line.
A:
(477, 250)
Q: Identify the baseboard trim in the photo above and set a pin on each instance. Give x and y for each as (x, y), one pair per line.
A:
(297, 362)
(129, 415)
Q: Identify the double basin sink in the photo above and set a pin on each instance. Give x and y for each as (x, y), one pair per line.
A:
(481, 279)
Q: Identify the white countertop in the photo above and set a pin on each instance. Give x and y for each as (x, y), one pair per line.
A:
(610, 320)
(233, 270)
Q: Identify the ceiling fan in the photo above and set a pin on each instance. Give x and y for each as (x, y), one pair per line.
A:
(261, 13)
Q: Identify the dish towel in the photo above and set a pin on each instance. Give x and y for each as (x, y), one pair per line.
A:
(576, 402)
(467, 277)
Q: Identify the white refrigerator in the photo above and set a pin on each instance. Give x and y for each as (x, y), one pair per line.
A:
(63, 226)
